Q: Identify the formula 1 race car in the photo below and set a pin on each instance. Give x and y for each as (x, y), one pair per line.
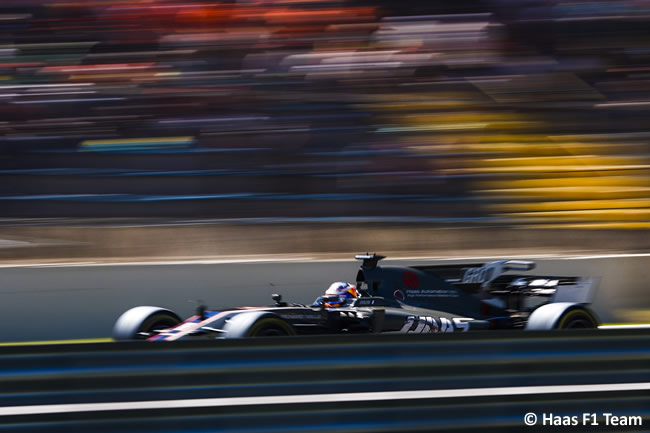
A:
(395, 299)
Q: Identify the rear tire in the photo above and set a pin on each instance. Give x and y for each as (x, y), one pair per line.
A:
(139, 323)
(561, 315)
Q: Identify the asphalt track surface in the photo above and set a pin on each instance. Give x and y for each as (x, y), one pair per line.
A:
(83, 300)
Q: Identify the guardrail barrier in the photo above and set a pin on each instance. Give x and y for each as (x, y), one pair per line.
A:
(510, 381)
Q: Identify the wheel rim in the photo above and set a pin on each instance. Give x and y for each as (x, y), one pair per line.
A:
(149, 329)
(579, 324)
(271, 332)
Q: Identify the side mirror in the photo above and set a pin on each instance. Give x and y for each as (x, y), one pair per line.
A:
(278, 300)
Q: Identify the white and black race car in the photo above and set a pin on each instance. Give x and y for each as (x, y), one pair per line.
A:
(396, 299)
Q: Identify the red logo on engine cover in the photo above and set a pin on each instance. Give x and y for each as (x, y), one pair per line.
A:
(410, 279)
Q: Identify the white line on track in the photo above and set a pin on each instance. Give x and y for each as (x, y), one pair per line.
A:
(300, 259)
(320, 398)
(609, 256)
(198, 261)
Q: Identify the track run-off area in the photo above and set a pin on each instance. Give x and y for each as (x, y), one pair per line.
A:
(82, 300)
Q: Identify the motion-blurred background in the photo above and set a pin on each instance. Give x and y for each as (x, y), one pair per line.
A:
(185, 128)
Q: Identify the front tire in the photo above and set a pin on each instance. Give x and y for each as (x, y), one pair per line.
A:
(140, 323)
(257, 324)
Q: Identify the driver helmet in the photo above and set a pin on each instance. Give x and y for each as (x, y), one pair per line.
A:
(344, 291)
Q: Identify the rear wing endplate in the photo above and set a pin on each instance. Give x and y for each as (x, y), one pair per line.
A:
(583, 292)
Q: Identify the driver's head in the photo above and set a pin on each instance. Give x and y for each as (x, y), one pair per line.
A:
(344, 293)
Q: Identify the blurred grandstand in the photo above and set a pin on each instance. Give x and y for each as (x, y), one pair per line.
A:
(530, 113)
